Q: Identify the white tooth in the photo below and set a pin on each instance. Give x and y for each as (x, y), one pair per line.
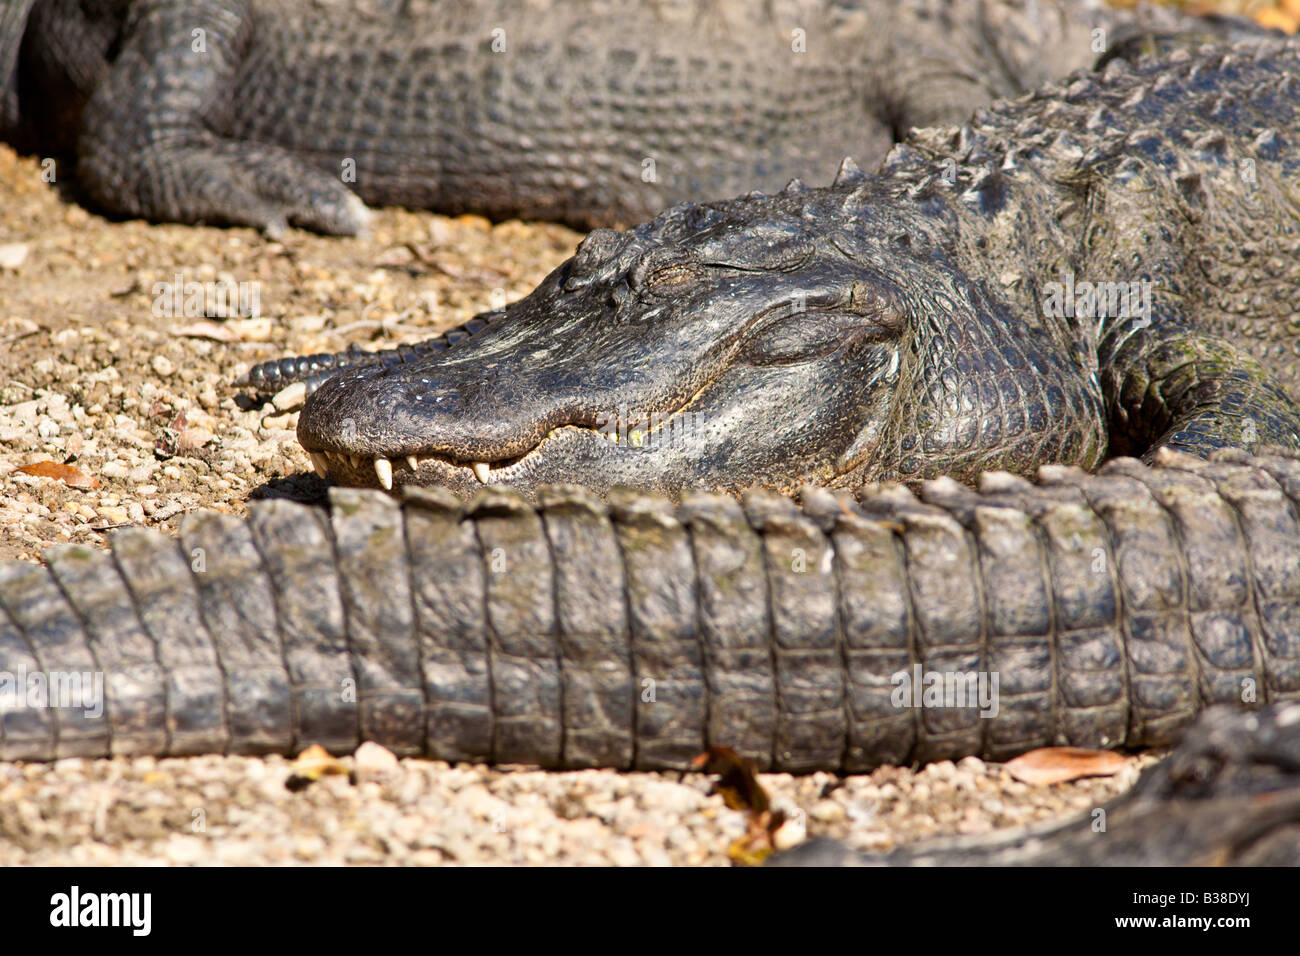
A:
(320, 463)
(384, 469)
(480, 471)
(413, 463)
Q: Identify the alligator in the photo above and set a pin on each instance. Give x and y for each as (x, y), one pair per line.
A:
(927, 320)
(1229, 795)
(635, 632)
(268, 112)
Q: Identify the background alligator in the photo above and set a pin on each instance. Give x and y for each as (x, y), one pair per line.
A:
(260, 112)
(930, 320)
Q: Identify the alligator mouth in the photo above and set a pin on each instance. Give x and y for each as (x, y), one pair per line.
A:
(633, 434)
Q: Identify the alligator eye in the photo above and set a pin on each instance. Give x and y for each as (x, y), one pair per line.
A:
(670, 277)
(663, 270)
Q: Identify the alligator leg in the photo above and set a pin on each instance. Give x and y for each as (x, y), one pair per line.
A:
(1169, 386)
(13, 18)
(179, 169)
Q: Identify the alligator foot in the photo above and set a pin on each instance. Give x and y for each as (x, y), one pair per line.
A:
(147, 147)
(1170, 386)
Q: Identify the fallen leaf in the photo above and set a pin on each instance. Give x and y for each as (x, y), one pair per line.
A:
(1048, 765)
(474, 222)
(739, 784)
(759, 840)
(1277, 19)
(70, 476)
(312, 764)
(740, 790)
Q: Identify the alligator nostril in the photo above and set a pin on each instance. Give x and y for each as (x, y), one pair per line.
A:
(598, 248)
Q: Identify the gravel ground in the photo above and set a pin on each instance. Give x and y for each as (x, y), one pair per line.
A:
(99, 371)
(238, 811)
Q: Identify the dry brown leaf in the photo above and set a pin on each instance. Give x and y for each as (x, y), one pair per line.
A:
(1048, 765)
(1276, 18)
(738, 784)
(757, 844)
(70, 476)
(316, 762)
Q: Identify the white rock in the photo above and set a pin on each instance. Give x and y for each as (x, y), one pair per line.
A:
(13, 255)
(185, 849)
(290, 397)
(374, 762)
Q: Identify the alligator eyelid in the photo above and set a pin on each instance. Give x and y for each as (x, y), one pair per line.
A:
(799, 256)
(670, 275)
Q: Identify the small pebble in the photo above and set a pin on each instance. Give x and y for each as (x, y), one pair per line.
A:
(374, 762)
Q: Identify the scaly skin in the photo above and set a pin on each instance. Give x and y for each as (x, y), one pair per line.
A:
(898, 325)
(290, 110)
(575, 633)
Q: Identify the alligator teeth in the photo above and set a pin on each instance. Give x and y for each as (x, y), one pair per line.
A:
(480, 469)
(412, 463)
(384, 469)
(320, 463)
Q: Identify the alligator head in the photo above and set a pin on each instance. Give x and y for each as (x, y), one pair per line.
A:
(816, 335)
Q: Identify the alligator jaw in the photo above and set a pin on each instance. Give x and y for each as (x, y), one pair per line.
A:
(606, 443)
